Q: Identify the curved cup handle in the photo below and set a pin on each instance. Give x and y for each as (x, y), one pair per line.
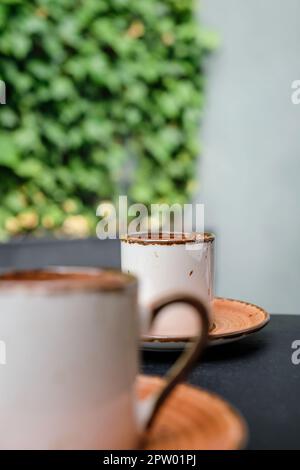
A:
(149, 407)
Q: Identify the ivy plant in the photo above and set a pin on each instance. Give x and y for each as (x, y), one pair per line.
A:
(104, 97)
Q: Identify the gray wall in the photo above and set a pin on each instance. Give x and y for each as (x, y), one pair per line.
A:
(250, 168)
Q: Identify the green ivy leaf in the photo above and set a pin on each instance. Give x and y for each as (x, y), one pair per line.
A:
(9, 156)
(104, 98)
(29, 168)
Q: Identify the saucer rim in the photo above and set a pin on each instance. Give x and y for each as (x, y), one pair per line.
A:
(211, 336)
(239, 417)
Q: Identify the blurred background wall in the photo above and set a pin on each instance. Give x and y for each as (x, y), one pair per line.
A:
(62, 142)
(251, 154)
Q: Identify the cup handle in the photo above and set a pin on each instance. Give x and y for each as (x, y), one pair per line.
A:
(149, 407)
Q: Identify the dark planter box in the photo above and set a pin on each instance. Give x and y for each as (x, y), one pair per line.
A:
(37, 253)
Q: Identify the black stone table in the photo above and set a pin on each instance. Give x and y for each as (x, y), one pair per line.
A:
(256, 374)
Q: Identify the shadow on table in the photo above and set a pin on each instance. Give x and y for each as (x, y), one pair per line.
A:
(250, 346)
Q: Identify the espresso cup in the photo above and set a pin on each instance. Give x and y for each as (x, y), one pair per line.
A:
(166, 263)
(71, 339)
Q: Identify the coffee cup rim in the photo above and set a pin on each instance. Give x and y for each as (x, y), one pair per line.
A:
(66, 279)
(140, 238)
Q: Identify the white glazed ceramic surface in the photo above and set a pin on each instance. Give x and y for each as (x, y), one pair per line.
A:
(72, 362)
(166, 269)
(71, 341)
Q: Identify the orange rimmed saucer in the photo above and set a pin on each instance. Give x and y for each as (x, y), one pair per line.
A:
(233, 320)
(192, 419)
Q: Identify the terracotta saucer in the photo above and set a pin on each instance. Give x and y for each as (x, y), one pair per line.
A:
(193, 419)
(233, 320)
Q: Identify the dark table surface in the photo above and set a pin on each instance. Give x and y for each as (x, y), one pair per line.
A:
(256, 374)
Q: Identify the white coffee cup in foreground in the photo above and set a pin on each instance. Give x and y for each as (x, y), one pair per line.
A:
(71, 340)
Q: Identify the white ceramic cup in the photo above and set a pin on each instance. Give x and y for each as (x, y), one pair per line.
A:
(71, 341)
(169, 263)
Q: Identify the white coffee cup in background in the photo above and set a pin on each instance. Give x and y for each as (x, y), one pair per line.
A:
(167, 263)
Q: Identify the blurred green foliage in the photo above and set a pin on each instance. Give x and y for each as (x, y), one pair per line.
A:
(104, 97)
